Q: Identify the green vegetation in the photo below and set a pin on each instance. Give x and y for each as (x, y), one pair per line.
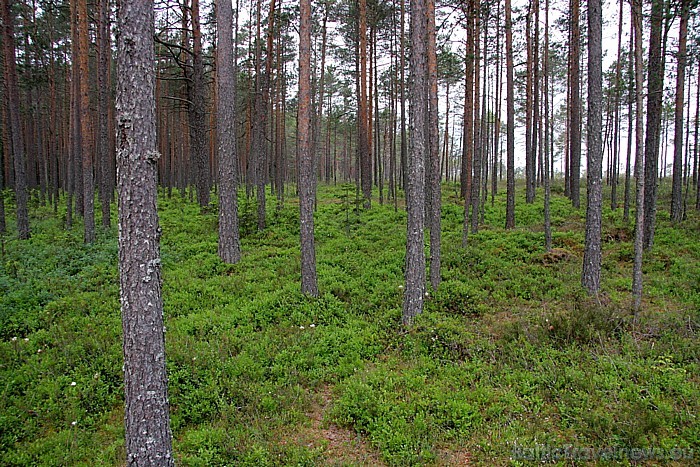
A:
(509, 352)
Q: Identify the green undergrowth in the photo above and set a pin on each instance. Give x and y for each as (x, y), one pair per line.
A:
(510, 352)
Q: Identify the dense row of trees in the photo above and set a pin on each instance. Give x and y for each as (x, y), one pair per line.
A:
(202, 98)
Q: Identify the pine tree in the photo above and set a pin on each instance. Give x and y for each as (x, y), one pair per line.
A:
(148, 435)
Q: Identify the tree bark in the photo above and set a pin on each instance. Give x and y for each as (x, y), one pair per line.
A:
(630, 122)
(677, 185)
(197, 112)
(510, 130)
(17, 139)
(148, 435)
(655, 84)
(575, 106)
(86, 125)
(229, 241)
(104, 54)
(468, 119)
(434, 149)
(307, 177)
(363, 133)
(547, 179)
(639, 156)
(592, 255)
(415, 190)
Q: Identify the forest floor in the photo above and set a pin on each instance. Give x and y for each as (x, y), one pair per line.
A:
(511, 362)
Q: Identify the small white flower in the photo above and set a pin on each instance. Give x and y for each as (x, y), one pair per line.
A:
(301, 327)
(74, 423)
(401, 287)
(427, 294)
(14, 339)
(73, 383)
(312, 325)
(194, 358)
(38, 351)
(26, 339)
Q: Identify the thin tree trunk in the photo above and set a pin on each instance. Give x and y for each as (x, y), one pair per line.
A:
(547, 189)
(630, 122)
(86, 125)
(575, 107)
(197, 113)
(639, 156)
(363, 133)
(12, 89)
(402, 69)
(468, 126)
(655, 83)
(510, 130)
(677, 186)
(434, 149)
(104, 54)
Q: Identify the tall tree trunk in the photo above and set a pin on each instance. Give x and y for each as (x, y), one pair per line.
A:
(307, 179)
(104, 54)
(3, 220)
(639, 155)
(434, 149)
(655, 84)
(148, 435)
(12, 89)
(696, 150)
(499, 99)
(468, 121)
(86, 125)
(533, 105)
(575, 106)
(415, 191)
(197, 112)
(618, 94)
(478, 124)
(630, 121)
(402, 84)
(229, 241)
(510, 129)
(677, 186)
(363, 133)
(592, 255)
(547, 178)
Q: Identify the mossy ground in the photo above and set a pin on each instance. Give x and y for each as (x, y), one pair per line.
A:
(509, 353)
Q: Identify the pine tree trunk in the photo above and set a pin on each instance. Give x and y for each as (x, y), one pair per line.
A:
(592, 255)
(637, 22)
(434, 150)
(468, 120)
(630, 122)
(547, 178)
(575, 107)
(510, 130)
(197, 112)
(148, 435)
(229, 241)
(363, 133)
(677, 186)
(307, 179)
(86, 125)
(655, 84)
(415, 191)
(15, 126)
(104, 54)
